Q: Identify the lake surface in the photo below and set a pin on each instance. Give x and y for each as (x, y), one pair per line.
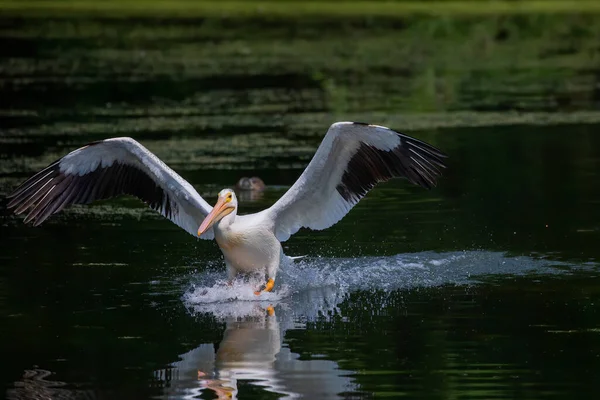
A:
(487, 286)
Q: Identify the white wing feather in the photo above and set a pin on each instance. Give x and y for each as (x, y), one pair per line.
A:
(352, 158)
(106, 169)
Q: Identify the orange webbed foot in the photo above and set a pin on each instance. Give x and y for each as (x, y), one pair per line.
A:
(267, 287)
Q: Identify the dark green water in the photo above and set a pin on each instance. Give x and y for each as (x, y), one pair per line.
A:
(485, 287)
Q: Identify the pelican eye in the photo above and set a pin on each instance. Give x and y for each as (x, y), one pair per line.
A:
(228, 197)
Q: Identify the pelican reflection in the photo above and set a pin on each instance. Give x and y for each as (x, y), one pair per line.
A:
(252, 351)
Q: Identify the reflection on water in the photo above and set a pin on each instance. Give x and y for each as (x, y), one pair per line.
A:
(34, 385)
(249, 195)
(252, 351)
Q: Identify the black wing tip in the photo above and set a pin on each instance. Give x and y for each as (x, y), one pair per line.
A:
(30, 180)
(404, 136)
(429, 147)
(432, 157)
(51, 190)
(52, 166)
(412, 159)
(26, 198)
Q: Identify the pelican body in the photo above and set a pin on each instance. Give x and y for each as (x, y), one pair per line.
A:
(352, 158)
(248, 244)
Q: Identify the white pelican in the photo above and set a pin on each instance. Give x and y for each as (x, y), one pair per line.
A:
(352, 158)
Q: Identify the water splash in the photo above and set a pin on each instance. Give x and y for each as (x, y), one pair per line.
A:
(240, 290)
(327, 280)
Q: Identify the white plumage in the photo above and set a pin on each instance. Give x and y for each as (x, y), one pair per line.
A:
(106, 169)
(352, 158)
(316, 201)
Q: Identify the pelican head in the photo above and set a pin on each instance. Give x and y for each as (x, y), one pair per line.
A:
(226, 204)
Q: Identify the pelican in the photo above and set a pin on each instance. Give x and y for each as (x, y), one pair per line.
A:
(352, 158)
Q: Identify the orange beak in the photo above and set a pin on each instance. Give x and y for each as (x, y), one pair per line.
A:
(214, 215)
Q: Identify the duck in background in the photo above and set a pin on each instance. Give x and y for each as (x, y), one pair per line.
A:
(250, 189)
(254, 184)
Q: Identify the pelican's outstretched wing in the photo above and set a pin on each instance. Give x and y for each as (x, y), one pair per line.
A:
(106, 169)
(352, 158)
